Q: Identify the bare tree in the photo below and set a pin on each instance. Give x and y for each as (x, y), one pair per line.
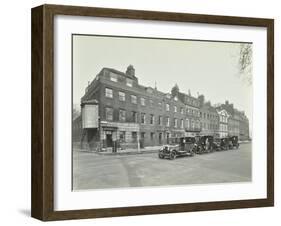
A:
(245, 62)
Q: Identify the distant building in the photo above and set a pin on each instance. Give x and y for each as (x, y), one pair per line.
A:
(223, 123)
(244, 132)
(191, 109)
(209, 119)
(238, 123)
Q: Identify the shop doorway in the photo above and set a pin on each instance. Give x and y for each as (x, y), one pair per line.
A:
(109, 142)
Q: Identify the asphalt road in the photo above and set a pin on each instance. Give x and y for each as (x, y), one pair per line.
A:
(93, 171)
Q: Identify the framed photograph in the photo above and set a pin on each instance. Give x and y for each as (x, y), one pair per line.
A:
(142, 112)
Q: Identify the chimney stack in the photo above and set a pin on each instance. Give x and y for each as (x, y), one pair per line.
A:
(130, 71)
(201, 99)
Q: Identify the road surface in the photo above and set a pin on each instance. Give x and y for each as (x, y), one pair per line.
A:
(95, 171)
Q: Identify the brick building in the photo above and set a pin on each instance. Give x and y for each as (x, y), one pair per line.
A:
(237, 121)
(132, 114)
(209, 118)
(191, 110)
(244, 133)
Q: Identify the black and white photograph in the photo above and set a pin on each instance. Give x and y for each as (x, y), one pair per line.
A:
(160, 112)
(140, 112)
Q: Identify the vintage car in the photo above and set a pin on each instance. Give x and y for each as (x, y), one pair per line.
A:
(222, 144)
(204, 144)
(217, 144)
(179, 147)
(233, 142)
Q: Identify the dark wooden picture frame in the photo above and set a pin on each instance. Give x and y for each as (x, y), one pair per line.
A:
(42, 203)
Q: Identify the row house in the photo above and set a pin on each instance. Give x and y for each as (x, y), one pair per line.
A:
(209, 118)
(223, 123)
(237, 121)
(131, 114)
(192, 111)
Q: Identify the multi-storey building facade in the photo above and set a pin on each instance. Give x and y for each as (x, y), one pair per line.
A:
(191, 111)
(223, 123)
(209, 118)
(131, 115)
(244, 132)
(237, 121)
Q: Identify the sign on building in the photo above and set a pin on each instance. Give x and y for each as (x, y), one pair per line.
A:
(90, 115)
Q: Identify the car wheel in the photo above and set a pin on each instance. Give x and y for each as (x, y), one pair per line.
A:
(160, 156)
(172, 155)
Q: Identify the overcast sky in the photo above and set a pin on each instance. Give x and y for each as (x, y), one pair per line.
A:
(209, 68)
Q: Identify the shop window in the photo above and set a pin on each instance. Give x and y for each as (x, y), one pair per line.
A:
(122, 136)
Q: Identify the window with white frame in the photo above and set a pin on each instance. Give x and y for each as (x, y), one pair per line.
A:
(133, 99)
(197, 124)
(182, 111)
(175, 122)
(108, 93)
(160, 119)
(142, 100)
(167, 107)
(122, 115)
(168, 121)
(121, 96)
(192, 124)
(181, 123)
(187, 123)
(151, 119)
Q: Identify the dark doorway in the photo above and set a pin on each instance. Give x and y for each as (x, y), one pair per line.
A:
(109, 142)
(168, 137)
(160, 138)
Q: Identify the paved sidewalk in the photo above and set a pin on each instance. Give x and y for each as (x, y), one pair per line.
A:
(146, 150)
(131, 151)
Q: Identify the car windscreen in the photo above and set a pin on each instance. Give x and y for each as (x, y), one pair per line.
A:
(189, 139)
